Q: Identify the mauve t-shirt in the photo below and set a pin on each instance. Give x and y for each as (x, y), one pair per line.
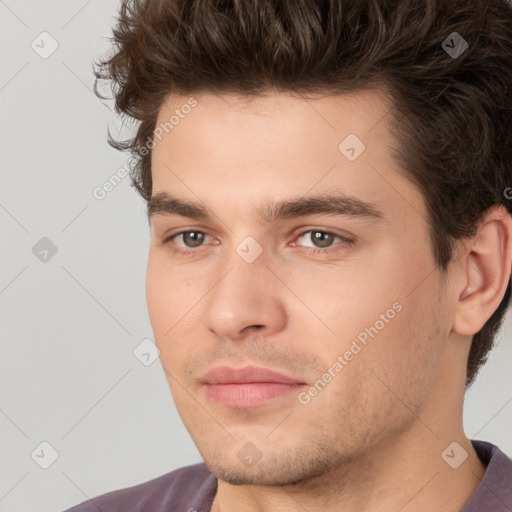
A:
(192, 488)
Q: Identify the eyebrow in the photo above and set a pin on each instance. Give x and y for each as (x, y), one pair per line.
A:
(328, 204)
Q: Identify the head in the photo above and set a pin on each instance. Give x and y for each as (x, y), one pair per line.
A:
(258, 113)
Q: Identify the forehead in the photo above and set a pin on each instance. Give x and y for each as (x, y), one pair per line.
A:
(279, 145)
(230, 130)
(357, 109)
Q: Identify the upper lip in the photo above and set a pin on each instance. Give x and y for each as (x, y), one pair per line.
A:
(247, 374)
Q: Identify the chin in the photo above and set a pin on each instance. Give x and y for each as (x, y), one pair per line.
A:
(280, 471)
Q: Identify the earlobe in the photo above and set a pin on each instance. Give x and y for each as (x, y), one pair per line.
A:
(487, 269)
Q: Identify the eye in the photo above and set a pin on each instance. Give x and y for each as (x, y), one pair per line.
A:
(195, 238)
(192, 239)
(324, 240)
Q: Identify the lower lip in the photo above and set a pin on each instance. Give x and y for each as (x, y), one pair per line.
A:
(249, 394)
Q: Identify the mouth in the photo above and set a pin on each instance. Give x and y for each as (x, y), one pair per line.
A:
(249, 386)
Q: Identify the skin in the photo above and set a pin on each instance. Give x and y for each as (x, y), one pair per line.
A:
(372, 439)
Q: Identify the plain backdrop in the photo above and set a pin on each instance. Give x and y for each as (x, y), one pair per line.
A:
(72, 282)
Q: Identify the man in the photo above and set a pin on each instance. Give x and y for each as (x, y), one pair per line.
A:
(328, 188)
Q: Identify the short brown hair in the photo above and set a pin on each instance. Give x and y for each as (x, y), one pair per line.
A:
(452, 105)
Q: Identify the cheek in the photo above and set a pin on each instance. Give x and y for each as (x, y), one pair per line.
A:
(392, 331)
(392, 375)
(404, 357)
(169, 298)
(166, 295)
(352, 294)
(345, 302)
(158, 301)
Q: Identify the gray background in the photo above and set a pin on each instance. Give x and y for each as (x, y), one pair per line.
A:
(70, 324)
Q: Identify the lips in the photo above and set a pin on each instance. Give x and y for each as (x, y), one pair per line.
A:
(248, 387)
(246, 375)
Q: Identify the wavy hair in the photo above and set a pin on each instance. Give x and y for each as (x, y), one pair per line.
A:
(452, 106)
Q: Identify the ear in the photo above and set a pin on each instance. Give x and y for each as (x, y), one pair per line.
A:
(485, 272)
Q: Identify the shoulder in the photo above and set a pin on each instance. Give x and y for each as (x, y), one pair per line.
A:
(190, 487)
(495, 490)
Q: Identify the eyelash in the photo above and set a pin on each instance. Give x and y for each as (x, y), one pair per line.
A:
(310, 251)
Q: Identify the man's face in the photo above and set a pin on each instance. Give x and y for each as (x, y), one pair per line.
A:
(361, 325)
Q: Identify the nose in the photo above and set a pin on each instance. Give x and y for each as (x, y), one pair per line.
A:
(247, 300)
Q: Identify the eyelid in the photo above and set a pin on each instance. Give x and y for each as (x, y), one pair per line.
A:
(168, 238)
